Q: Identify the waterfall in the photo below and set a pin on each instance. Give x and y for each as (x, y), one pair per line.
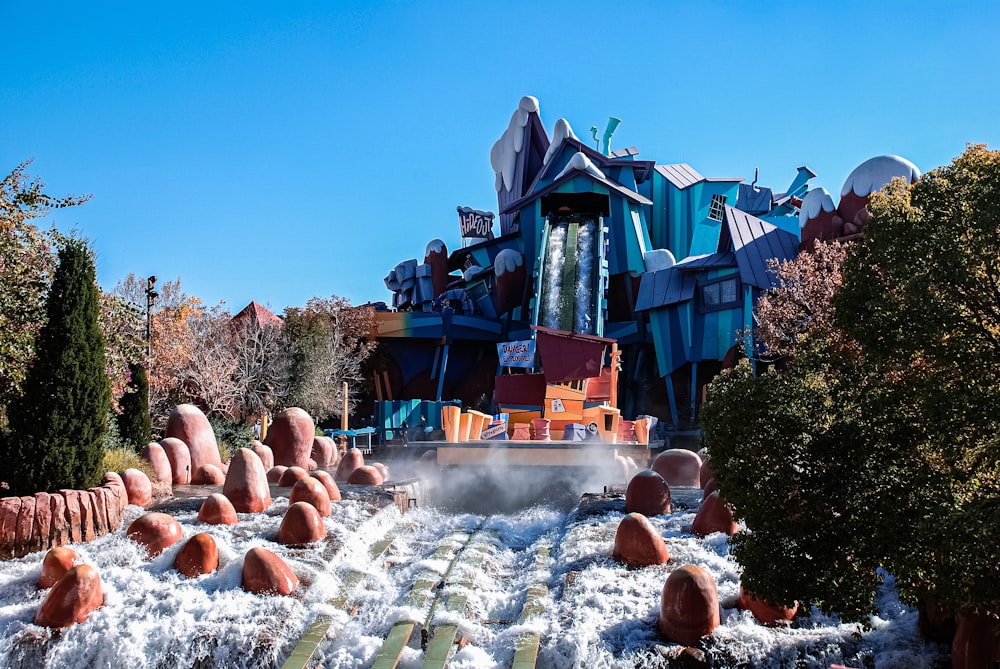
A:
(583, 317)
(555, 259)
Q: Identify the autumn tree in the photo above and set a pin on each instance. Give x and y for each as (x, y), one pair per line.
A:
(263, 366)
(330, 339)
(27, 260)
(58, 423)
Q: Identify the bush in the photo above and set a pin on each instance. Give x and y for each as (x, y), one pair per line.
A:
(119, 459)
(134, 424)
(230, 435)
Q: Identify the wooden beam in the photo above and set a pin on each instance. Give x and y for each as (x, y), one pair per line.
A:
(526, 653)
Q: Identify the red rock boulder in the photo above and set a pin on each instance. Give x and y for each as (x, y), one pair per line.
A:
(708, 488)
(275, 472)
(72, 599)
(180, 460)
(382, 469)
(155, 532)
(331, 486)
(138, 487)
(689, 609)
(291, 475)
(217, 510)
(366, 475)
(324, 452)
(311, 491)
(157, 458)
(198, 556)
(353, 459)
(246, 483)
(208, 475)
(301, 525)
(264, 453)
(647, 493)
(976, 643)
(189, 424)
(679, 467)
(264, 573)
(714, 516)
(290, 437)
(638, 544)
(765, 612)
(706, 474)
(57, 562)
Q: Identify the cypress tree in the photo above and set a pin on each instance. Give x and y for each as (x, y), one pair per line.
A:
(134, 425)
(57, 426)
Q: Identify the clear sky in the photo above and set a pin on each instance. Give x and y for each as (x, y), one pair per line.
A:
(279, 150)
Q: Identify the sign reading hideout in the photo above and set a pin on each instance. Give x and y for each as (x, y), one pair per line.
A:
(517, 353)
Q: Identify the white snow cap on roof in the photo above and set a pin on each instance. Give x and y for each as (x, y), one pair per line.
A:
(507, 261)
(815, 201)
(434, 246)
(876, 172)
(658, 259)
(503, 156)
(580, 161)
(561, 131)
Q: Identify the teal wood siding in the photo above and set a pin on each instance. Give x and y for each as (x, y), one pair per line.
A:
(705, 237)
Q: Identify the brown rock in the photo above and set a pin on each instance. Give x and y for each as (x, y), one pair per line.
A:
(208, 475)
(10, 509)
(275, 472)
(264, 453)
(323, 451)
(155, 532)
(180, 460)
(976, 643)
(157, 457)
(198, 556)
(246, 483)
(189, 424)
(290, 437)
(98, 512)
(331, 486)
(311, 491)
(72, 599)
(714, 516)
(59, 529)
(647, 493)
(689, 608)
(41, 527)
(638, 544)
(366, 475)
(382, 469)
(291, 475)
(706, 473)
(765, 612)
(679, 467)
(73, 514)
(25, 522)
(138, 487)
(264, 573)
(352, 460)
(301, 525)
(708, 488)
(57, 562)
(217, 510)
(311, 465)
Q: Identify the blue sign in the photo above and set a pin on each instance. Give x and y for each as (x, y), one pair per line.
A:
(517, 353)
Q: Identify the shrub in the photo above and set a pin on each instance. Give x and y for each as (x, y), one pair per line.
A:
(230, 435)
(134, 424)
(120, 459)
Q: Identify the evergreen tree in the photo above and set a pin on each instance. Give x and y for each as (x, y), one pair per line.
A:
(134, 424)
(57, 426)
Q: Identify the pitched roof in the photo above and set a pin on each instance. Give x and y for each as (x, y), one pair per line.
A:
(664, 287)
(755, 242)
(708, 260)
(258, 315)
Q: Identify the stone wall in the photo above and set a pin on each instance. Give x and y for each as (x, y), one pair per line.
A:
(46, 520)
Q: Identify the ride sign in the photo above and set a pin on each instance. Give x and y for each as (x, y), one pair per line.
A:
(517, 353)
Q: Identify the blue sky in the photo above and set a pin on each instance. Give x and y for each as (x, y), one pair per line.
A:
(277, 151)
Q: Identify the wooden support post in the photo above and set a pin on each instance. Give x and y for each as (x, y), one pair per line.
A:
(694, 390)
(343, 417)
(672, 401)
(444, 368)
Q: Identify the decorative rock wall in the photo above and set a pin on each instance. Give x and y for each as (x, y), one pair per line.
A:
(47, 520)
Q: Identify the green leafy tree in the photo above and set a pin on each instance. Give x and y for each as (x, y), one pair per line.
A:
(57, 425)
(134, 425)
(922, 295)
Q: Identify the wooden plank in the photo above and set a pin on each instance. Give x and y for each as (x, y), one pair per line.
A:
(526, 653)
(436, 655)
(568, 279)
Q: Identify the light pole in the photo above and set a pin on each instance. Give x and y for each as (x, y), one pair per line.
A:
(151, 296)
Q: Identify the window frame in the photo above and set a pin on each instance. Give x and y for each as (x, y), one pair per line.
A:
(704, 307)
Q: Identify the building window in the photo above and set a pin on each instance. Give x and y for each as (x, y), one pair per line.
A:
(721, 294)
(717, 210)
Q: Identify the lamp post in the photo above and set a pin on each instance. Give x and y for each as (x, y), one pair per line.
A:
(151, 296)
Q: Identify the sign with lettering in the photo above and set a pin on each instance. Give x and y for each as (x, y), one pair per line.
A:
(557, 406)
(475, 223)
(517, 353)
(494, 431)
